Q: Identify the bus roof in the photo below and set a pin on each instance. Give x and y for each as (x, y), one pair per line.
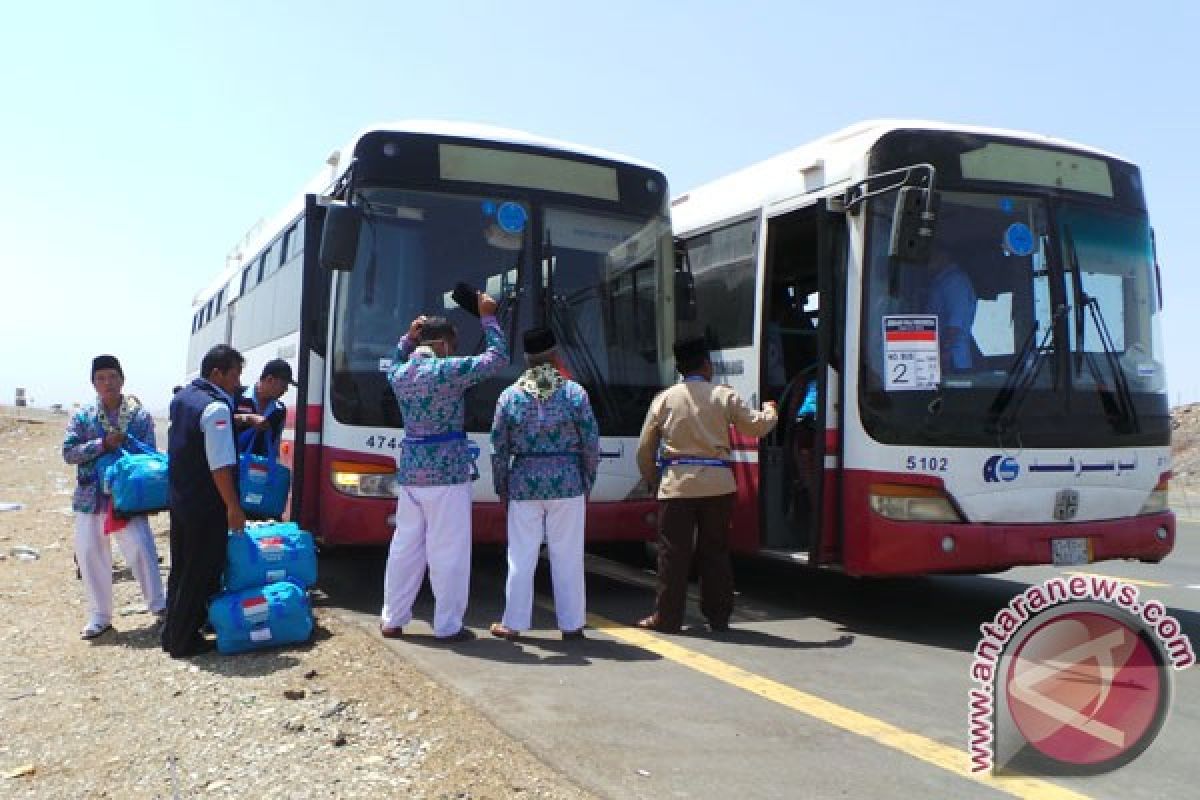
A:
(820, 164)
(265, 230)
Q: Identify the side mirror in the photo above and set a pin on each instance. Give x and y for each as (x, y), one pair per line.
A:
(339, 238)
(685, 285)
(912, 225)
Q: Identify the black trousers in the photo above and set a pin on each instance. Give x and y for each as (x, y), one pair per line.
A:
(198, 547)
(704, 520)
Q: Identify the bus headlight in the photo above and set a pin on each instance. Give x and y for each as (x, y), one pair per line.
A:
(363, 480)
(1158, 501)
(912, 503)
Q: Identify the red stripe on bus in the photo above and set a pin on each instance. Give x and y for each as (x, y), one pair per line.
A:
(312, 419)
(739, 442)
(911, 336)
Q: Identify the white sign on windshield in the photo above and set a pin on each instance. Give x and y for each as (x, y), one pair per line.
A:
(910, 352)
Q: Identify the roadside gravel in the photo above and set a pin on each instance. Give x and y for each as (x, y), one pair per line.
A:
(344, 716)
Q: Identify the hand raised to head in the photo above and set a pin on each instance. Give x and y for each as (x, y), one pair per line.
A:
(487, 305)
(414, 330)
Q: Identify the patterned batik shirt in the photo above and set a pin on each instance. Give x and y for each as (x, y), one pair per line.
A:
(430, 391)
(84, 447)
(544, 446)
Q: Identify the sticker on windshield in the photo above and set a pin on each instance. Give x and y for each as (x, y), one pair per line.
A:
(910, 352)
(511, 217)
(1018, 239)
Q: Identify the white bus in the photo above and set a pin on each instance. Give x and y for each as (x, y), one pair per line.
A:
(566, 236)
(977, 313)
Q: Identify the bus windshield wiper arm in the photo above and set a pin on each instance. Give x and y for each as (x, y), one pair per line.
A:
(1118, 402)
(560, 317)
(1022, 375)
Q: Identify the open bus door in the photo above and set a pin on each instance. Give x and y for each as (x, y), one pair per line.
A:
(801, 325)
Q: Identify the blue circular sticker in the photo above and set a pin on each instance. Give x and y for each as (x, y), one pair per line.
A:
(1006, 205)
(511, 217)
(1018, 239)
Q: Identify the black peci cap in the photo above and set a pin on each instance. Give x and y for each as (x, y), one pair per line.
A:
(466, 297)
(539, 340)
(106, 362)
(691, 352)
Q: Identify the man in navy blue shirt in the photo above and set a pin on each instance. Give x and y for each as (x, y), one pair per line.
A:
(259, 410)
(952, 297)
(204, 499)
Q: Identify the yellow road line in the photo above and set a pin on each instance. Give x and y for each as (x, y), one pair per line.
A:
(951, 759)
(1135, 581)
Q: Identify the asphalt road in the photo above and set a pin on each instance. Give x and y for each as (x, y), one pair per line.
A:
(828, 686)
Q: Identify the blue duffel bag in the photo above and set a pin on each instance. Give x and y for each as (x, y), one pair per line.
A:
(255, 619)
(276, 551)
(263, 482)
(137, 479)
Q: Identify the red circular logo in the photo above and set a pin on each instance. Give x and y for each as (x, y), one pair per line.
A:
(1086, 689)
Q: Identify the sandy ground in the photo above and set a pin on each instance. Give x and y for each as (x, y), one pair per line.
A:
(344, 716)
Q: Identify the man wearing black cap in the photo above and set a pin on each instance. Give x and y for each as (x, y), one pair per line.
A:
(259, 409)
(684, 454)
(545, 452)
(94, 435)
(204, 497)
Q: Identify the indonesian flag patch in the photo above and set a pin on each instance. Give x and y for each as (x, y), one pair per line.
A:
(255, 609)
(272, 547)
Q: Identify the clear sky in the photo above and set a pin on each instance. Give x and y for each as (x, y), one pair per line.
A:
(140, 140)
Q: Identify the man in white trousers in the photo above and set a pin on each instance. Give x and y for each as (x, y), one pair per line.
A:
(93, 432)
(545, 451)
(433, 471)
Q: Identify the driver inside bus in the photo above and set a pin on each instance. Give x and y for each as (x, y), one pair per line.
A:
(951, 296)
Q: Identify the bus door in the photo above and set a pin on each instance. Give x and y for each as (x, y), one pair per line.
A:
(798, 338)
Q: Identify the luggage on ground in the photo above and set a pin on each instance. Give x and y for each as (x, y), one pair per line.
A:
(255, 619)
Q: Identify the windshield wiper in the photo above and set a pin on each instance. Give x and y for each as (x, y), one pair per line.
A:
(561, 319)
(1117, 402)
(1022, 375)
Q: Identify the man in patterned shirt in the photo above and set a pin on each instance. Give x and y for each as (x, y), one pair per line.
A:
(545, 450)
(100, 429)
(433, 472)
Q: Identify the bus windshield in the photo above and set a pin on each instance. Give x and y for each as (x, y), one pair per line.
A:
(596, 286)
(1034, 319)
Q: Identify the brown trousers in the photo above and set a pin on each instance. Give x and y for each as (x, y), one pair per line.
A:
(707, 518)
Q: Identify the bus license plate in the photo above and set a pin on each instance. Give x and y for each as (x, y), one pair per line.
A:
(1071, 552)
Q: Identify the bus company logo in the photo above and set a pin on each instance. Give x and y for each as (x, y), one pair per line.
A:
(1073, 678)
(1001, 468)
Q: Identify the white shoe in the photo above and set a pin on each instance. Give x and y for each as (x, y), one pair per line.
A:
(95, 630)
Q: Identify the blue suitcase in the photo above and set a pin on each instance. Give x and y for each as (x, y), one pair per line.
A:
(255, 619)
(263, 482)
(138, 480)
(269, 553)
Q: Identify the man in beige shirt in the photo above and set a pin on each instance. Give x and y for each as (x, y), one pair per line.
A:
(684, 454)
